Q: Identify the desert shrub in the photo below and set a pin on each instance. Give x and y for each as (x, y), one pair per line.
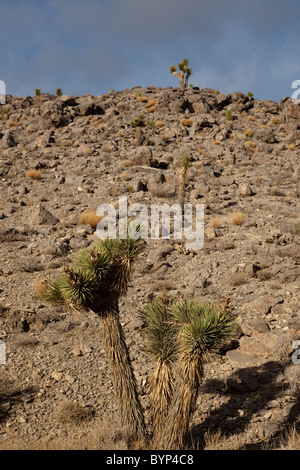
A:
(228, 115)
(249, 133)
(73, 413)
(186, 122)
(237, 218)
(89, 217)
(34, 174)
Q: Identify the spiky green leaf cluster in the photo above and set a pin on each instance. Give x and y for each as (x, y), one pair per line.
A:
(101, 273)
(139, 121)
(205, 329)
(186, 161)
(75, 288)
(191, 328)
(160, 331)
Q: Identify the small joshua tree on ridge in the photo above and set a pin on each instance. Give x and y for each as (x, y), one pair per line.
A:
(185, 163)
(184, 73)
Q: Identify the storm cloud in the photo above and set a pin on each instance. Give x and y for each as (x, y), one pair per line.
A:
(96, 45)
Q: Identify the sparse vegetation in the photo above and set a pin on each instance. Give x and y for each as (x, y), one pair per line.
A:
(215, 222)
(249, 133)
(139, 121)
(67, 359)
(34, 174)
(73, 413)
(228, 115)
(90, 217)
(237, 218)
(186, 122)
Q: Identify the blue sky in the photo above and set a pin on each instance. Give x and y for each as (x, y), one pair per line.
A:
(92, 46)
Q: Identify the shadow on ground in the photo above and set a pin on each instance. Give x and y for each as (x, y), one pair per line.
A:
(249, 391)
(11, 394)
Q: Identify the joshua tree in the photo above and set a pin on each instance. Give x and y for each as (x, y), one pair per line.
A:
(185, 161)
(37, 92)
(185, 332)
(191, 331)
(96, 282)
(138, 123)
(58, 92)
(184, 73)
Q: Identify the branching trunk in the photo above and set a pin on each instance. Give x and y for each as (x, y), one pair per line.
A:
(124, 379)
(181, 188)
(181, 78)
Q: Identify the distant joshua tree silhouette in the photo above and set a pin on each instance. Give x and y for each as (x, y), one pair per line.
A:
(184, 73)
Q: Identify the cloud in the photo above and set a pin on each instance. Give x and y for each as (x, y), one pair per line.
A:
(93, 46)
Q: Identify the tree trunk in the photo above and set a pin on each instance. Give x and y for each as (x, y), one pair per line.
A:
(183, 407)
(124, 379)
(161, 386)
(181, 188)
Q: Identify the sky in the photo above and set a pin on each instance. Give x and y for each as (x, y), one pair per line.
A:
(93, 46)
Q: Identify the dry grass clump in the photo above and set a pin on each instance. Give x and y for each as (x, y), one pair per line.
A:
(186, 122)
(151, 105)
(89, 217)
(73, 413)
(237, 279)
(215, 222)
(216, 142)
(159, 123)
(142, 99)
(40, 286)
(215, 441)
(237, 218)
(34, 174)
(251, 144)
(290, 440)
(248, 133)
(275, 120)
(291, 147)
(98, 436)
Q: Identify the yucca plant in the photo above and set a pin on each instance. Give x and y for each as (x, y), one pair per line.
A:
(185, 163)
(160, 340)
(37, 92)
(96, 282)
(58, 92)
(228, 115)
(203, 330)
(184, 73)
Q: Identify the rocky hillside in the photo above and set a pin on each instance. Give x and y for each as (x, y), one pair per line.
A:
(61, 156)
